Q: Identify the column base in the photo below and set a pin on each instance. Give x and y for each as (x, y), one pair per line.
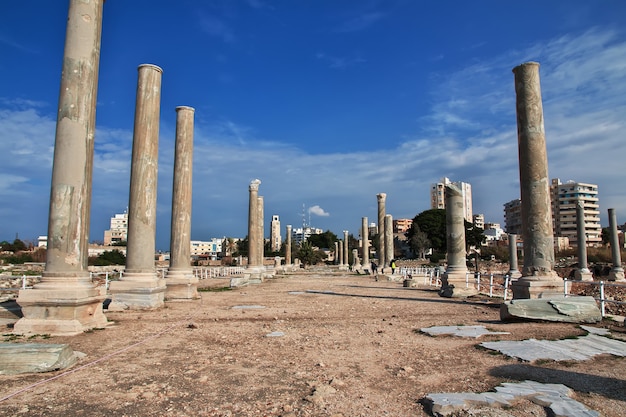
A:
(60, 311)
(137, 291)
(616, 275)
(537, 287)
(583, 275)
(514, 274)
(454, 285)
(181, 285)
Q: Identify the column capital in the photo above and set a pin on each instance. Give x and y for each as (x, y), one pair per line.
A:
(381, 197)
(254, 184)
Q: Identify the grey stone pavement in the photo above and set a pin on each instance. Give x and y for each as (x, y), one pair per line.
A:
(555, 397)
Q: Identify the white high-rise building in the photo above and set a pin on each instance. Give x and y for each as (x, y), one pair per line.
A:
(275, 238)
(118, 231)
(564, 200)
(438, 196)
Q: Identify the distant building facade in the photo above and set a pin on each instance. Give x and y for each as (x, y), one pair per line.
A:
(563, 201)
(438, 196)
(207, 248)
(301, 234)
(118, 231)
(402, 225)
(565, 198)
(275, 238)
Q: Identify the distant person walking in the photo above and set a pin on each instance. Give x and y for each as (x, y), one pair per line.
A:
(392, 264)
(374, 268)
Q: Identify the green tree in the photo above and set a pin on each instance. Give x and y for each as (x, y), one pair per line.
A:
(323, 240)
(419, 243)
(308, 255)
(474, 236)
(433, 223)
(111, 257)
(242, 247)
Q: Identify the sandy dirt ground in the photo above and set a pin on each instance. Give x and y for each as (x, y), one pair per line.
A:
(310, 344)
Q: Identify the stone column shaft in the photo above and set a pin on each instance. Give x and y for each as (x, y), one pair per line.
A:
(366, 243)
(533, 167)
(513, 267)
(181, 283)
(288, 246)
(617, 271)
(389, 255)
(253, 224)
(260, 232)
(454, 280)
(72, 303)
(144, 173)
(538, 276)
(582, 273)
(337, 253)
(140, 288)
(382, 197)
(341, 253)
(346, 256)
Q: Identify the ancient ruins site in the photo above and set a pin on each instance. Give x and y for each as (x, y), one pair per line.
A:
(314, 343)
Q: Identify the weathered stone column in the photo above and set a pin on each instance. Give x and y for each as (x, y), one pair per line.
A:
(582, 273)
(514, 272)
(181, 283)
(288, 246)
(382, 197)
(538, 277)
(389, 255)
(366, 244)
(453, 282)
(140, 287)
(617, 272)
(260, 232)
(341, 253)
(253, 224)
(346, 256)
(337, 253)
(66, 302)
(356, 262)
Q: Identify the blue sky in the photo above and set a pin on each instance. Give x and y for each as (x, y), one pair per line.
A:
(327, 102)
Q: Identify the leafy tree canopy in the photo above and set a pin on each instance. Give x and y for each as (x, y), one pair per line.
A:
(324, 240)
(433, 223)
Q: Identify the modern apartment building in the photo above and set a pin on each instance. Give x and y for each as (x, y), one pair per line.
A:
(438, 196)
(301, 234)
(118, 231)
(402, 225)
(275, 239)
(479, 221)
(563, 200)
(212, 248)
(513, 217)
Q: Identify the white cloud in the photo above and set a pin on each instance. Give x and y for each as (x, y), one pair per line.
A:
(318, 211)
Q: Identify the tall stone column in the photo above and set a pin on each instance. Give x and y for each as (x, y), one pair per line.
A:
(389, 255)
(66, 302)
(346, 256)
(366, 244)
(382, 197)
(337, 253)
(288, 246)
(180, 280)
(341, 253)
(582, 273)
(617, 272)
(538, 277)
(140, 287)
(356, 262)
(253, 224)
(260, 232)
(453, 283)
(514, 272)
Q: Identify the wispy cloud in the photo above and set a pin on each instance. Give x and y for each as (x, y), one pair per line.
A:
(217, 27)
(336, 62)
(360, 22)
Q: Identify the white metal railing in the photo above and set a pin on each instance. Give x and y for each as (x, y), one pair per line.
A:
(430, 275)
(602, 299)
(218, 271)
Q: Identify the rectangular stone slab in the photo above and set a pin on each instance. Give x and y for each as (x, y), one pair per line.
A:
(20, 358)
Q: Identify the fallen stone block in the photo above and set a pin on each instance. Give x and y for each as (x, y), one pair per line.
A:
(568, 310)
(20, 358)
